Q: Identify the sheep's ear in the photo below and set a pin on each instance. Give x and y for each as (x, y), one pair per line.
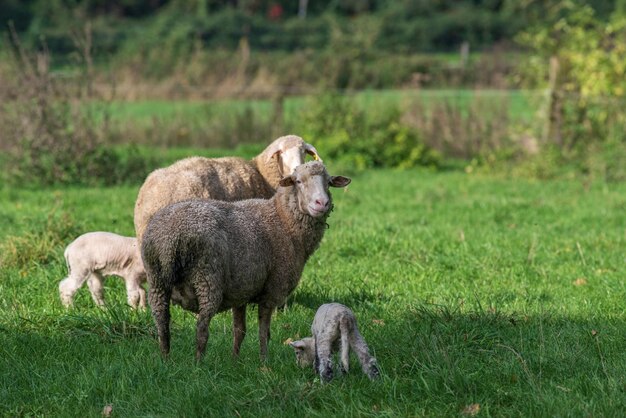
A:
(273, 150)
(298, 345)
(310, 149)
(339, 181)
(286, 181)
(273, 154)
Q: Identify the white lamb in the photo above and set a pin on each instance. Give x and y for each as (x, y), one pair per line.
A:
(94, 255)
(334, 329)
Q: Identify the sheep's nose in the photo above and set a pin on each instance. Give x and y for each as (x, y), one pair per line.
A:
(321, 203)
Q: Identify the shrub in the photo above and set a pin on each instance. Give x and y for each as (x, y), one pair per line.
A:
(53, 130)
(461, 128)
(580, 58)
(352, 139)
(605, 161)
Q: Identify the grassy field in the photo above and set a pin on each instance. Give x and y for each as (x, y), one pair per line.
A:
(521, 104)
(228, 123)
(478, 295)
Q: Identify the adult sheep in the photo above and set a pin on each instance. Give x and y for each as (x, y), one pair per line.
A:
(227, 178)
(210, 256)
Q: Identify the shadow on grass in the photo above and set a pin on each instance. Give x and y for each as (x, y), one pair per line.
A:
(314, 300)
(483, 353)
(440, 357)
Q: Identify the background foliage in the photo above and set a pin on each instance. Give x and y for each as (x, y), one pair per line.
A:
(70, 64)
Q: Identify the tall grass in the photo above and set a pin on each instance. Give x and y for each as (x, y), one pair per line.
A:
(478, 295)
(457, 123)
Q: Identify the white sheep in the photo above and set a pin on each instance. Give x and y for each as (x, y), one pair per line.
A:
(334, 329)
(227, 179)
(94, 255)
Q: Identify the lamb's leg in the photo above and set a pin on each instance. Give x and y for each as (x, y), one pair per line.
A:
(71, 284)
(96, 287)
(344, 328)
(368, 363)
(134, 295)
(323, 361)
(142, 297)
(159, 299)
(316, 360)
(239, 328)
(265, 318)
(209, 300)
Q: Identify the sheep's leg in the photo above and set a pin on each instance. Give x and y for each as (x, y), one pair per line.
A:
(323, 360)
(209, 300)
(239, 328)
(265, 318)
(142, 297)
(316, 360)
(368, 363)
(136, 296)
(344, 329)
(159, 299)
(95, 284)
(70, 285)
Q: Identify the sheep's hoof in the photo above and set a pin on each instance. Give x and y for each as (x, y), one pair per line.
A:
(373, 372)
(67, 301)
(327, 375)
(165, 352)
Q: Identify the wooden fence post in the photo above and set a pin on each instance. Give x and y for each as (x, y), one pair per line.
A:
(552, 130)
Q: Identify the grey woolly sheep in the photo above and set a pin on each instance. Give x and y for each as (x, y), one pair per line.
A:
(94, 255)
(210, 256)
(334, 329)
(228, 179)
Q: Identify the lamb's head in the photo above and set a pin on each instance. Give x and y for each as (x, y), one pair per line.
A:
(305, 351)
(312, 182)
(290, 151)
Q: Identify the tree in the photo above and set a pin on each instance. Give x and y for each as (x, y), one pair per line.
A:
(588, 72)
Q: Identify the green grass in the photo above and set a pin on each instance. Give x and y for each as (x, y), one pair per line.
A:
(469, 290)
(146, 111)
(521, 104)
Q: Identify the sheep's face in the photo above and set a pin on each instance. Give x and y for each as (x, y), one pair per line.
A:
(312, 183)
(305, 351)
(291, 151)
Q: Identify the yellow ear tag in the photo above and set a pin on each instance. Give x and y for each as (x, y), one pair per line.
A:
(315, 157)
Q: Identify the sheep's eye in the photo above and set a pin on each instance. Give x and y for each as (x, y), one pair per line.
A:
(298, 182)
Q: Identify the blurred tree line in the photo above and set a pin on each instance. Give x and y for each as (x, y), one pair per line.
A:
(401, 26)
(572, 50)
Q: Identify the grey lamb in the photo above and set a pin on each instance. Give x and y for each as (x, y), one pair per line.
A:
(94, 255)
(334, 329)
(228, 178)
(210, 256)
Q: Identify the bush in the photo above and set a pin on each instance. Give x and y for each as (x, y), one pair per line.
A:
(605, 161)
(463, 127)
(582, 56)
(348, 138)
(54, 131)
